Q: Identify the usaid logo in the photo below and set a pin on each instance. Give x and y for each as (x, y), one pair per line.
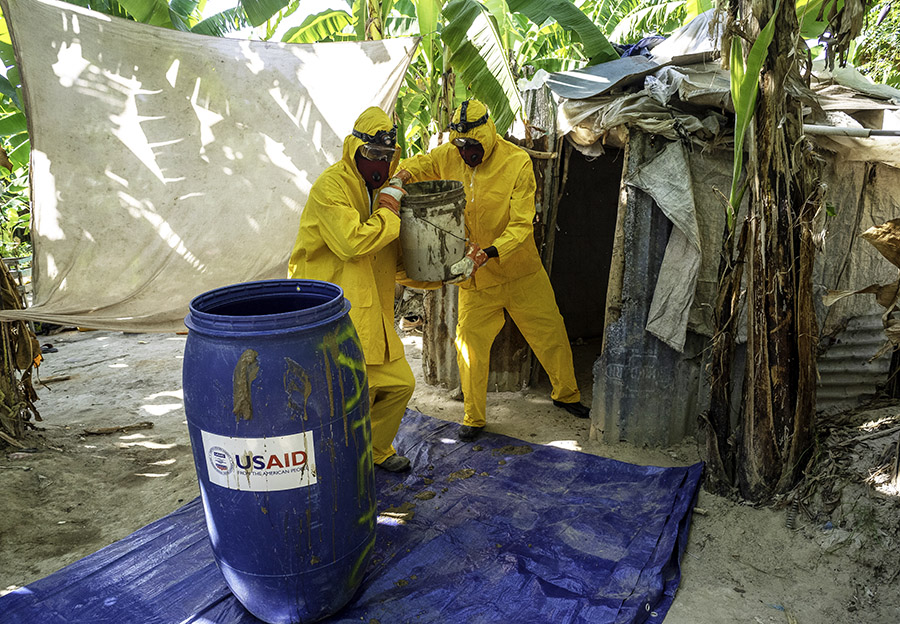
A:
(261, 464)
(293, 459)
(220, 460)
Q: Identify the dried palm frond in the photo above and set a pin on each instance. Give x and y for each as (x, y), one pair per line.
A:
(21, 354)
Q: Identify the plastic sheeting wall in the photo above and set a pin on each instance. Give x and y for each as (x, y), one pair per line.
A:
(165, 164)
(860, 195)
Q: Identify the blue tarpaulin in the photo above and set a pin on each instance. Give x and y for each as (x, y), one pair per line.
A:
(497, 530)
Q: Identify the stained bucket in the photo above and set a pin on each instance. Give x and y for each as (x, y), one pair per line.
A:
(276, 399)
(432, 228)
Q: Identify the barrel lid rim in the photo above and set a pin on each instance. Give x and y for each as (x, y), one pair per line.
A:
(200, 320)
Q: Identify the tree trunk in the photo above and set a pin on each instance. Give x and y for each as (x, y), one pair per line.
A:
(780, 396)
(720, 451)
(775, 432)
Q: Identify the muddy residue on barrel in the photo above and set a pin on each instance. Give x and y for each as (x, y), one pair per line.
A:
(512, 449)
(296, 383)
(245, 372)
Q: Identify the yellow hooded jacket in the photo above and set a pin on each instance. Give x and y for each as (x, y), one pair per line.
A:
(499, 198)
(346, 240)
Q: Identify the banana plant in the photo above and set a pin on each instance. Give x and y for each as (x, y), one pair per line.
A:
(744, 91)
(650, 19)
(187, 15)
(15, 151)
(478, 57)
(584, 32)
(425, 103)
(813, 21)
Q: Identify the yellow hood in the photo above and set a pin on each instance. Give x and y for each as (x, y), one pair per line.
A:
(371, 121)
(486, 133)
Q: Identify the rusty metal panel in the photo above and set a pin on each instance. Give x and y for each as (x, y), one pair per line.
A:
(847, 373)
(511, 356)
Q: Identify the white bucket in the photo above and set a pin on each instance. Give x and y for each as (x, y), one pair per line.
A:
(432, 228)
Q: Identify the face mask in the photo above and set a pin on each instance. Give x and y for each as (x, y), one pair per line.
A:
(472, 153)
(374, 172)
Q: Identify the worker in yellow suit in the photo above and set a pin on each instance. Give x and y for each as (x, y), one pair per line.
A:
(348, 236)
(502, 268)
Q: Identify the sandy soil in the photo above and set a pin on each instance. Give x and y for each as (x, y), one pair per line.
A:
(70, 493)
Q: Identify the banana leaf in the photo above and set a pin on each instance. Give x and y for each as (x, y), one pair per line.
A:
(596, 46)
(319, 27)
(154, 12)
(428, 12)
(693, 8)
(258, 11)
(744, 91)
(478, 57)
(13, 124)
(221, 24)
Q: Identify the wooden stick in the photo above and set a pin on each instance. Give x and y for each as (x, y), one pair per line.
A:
(10, 440)
(50, 380)
(122, 429)
(875, 434)
(540, 155)
(896, 479)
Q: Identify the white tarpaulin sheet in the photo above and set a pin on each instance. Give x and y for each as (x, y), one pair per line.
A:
(166, 164)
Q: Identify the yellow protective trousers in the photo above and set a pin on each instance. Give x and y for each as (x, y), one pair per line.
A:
(391, 386)
(532, 305)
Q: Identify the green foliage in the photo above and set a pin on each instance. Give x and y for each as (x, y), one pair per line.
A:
(258, 11)
(421, 105)
(808, 15)
(478, 57)
(324, 26)
(693, 8)
(649, 18)
(877, 52)
(15, 219)
(627, 21)
(154, 12)
(744, 90)
(548, 47)
(15, 215)
(571, 19)
(222, 23)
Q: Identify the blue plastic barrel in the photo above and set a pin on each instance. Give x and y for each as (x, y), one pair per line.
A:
(276, 398)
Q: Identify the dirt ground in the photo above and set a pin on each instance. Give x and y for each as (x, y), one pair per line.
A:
(71, 492)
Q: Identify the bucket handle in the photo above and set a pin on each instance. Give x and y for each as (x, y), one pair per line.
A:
(437, 227)
(421, 211)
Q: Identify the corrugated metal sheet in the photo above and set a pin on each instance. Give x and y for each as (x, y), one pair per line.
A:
(599, 79)
(846, 376)
(510, 357)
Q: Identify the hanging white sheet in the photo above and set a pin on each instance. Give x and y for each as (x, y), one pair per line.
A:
(166, 164)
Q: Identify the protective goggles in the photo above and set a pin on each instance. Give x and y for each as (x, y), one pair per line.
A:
(464, 125)
(379, 146)
(465, 142)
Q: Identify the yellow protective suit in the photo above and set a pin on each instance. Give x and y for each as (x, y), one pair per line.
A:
(346, 240)
(500, 212)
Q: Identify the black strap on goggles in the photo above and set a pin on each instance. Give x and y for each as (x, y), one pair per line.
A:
(463, 125)
(382, 137)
